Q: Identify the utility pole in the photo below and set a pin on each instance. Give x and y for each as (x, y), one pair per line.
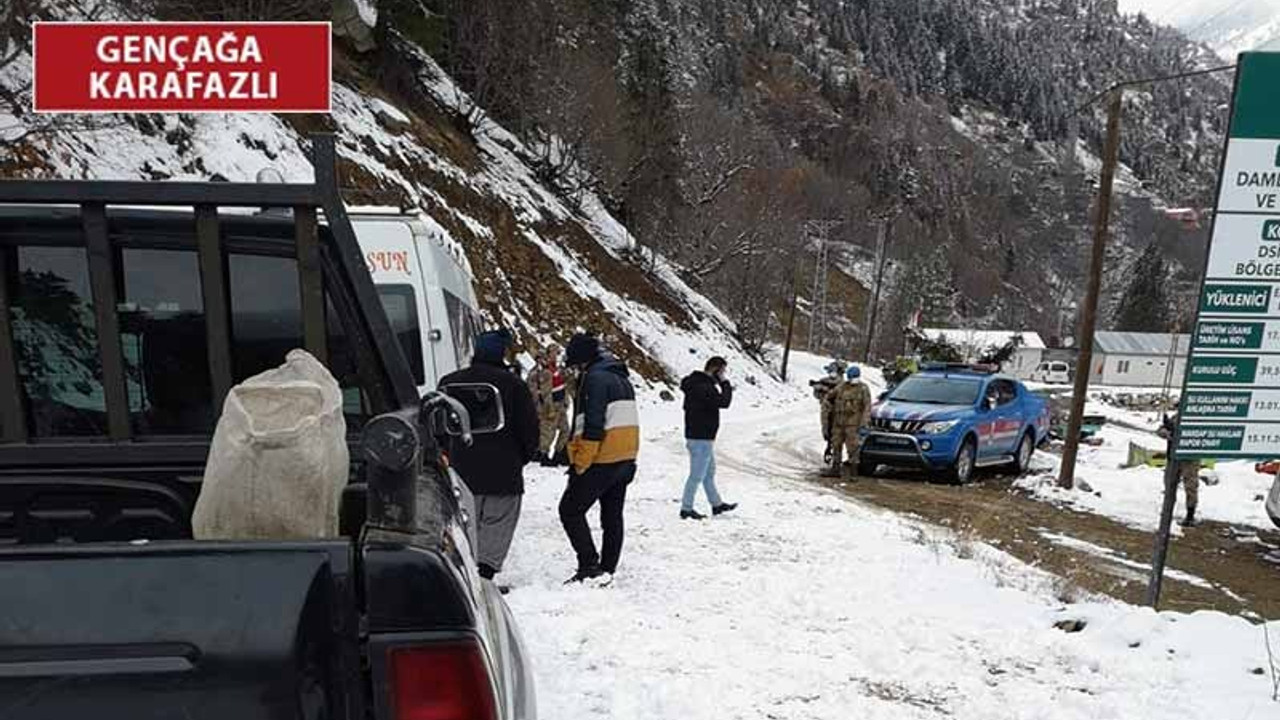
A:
(818, 300)
(1089, 315)
(873, 310)
(791, 319)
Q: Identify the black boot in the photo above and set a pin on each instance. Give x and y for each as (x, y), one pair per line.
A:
(561, 458)
(1190, 519)
(486, 571)
(723, 508)
(584, 574)
(545, 460)
(692, 515)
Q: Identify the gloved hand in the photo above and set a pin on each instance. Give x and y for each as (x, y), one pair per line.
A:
(828, 455)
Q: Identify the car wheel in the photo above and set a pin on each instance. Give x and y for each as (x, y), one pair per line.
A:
(1022, 461)
(962, 468)
(867, 469)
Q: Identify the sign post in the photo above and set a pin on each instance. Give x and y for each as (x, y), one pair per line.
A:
(1231, 396)
(1231, 391)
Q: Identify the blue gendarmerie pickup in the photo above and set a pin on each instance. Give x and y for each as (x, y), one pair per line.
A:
(953, 419)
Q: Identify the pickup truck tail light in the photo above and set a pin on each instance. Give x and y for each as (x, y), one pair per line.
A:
(444, 681)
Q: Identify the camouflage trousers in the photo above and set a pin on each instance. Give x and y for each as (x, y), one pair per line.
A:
(844, 441)
(553, 425)
(1189, 474)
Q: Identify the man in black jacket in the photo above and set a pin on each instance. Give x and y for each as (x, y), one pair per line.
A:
(493, 465)
(706, 393)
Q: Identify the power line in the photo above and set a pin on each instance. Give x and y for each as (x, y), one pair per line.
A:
(1149, 81)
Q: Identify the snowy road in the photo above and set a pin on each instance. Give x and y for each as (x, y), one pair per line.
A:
(804, 604)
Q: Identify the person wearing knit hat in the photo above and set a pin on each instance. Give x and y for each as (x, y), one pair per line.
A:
(583, 348)
(491, 346)
(605, 440)
(492, 466)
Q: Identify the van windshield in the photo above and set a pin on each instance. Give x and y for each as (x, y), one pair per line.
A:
(937, 390)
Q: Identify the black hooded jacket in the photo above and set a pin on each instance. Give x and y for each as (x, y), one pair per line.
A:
(704, 398)
(494, 463)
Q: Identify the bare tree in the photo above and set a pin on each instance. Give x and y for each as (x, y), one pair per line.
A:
(573, 105)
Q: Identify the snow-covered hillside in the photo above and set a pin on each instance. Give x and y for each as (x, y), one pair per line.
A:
(545, 266)
(1229, 27)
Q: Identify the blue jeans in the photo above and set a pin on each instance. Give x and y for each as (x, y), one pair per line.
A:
(702, 471)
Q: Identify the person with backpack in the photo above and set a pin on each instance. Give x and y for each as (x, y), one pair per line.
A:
(492, 466)
(604, 444)
(706, 393)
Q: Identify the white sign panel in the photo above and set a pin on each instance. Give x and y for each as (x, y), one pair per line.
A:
(1251, 177)
(1245, 247)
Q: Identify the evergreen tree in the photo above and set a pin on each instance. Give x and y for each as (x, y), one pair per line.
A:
(1144, 307)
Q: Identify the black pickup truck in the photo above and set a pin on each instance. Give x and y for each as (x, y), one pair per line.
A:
(122, 330)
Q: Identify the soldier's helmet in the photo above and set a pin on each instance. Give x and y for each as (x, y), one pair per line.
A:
(836, 367)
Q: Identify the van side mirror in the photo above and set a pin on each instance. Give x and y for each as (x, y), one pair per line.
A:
(988, 403)
(483, 404)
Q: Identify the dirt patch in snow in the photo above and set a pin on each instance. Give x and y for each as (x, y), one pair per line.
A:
(1219, 570)
(618, 275)
(24, 160)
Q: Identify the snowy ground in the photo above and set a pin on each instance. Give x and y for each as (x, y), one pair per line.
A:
(1133, 495)
(803, 604)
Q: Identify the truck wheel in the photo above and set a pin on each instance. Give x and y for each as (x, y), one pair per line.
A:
(1022, 460)
(962, 468)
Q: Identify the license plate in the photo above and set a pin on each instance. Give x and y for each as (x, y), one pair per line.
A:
(894, 441)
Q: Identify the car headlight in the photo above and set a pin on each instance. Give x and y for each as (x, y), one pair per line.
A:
(937, 428)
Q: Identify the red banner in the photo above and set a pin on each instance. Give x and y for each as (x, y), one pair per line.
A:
(182, 67)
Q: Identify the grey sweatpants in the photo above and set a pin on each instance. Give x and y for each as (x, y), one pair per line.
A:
(496, 518)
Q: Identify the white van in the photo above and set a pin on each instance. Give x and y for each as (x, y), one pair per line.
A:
(1054, 372)
(426, 287)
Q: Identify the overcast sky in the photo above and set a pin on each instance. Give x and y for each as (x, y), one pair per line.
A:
(1171, 11)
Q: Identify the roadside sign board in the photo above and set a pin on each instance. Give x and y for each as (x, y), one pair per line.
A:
(93, 67)
(1231, 392)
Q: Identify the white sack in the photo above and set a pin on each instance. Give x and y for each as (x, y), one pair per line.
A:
(279, 459)
(1273, 501)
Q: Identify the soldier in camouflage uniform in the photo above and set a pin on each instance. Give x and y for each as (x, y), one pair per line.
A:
(549, 384)
(821, 387)
(835, 373)
(846, 409)
(1188, 474)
